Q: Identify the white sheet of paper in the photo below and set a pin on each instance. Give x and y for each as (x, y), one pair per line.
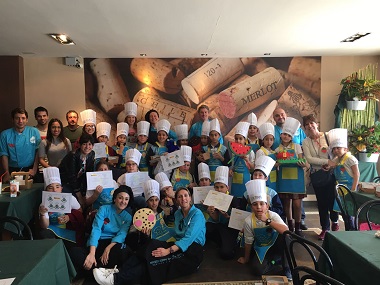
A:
(237, 219)
(102, 178)
(219, 200)
(100, 150)
(200, 193)
(57, 202)
(135, 180)
(172, 160)
(7, 281)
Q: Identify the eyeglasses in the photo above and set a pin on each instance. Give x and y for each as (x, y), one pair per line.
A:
(90, 127)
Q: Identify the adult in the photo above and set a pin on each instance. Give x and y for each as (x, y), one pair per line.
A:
(316, 152)
(42, 117)
(89, 126)
(19, 145)
(165, 261)
(72, 131)
(153, 117)
(196, 128)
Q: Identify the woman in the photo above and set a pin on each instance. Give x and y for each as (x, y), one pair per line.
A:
(315, 148)
(166, 261)
(153, 117)
(55, 147)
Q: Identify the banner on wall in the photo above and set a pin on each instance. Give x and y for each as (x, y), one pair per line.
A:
(231, 87)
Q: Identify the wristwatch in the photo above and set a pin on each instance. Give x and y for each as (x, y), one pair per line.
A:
(268, 221)
(171, 250)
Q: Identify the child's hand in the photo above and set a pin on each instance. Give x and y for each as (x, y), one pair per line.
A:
(217, 155)
(301, 164)
(242, 260)
(200, 157)
(98, 189)
(169, 201)
(146, 231)
(193, 184)
(211, 210)
(63, 219)
(230, 172)
(42, 210)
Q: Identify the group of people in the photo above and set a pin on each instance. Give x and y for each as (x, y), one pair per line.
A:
(267, 180)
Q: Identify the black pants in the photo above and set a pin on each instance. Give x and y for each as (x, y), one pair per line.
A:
(325, 202)
(224, 237)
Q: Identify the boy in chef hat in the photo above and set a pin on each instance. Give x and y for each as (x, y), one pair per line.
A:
(103, 131)
(253, 133)
(121, 147)
(130, 109)
(262, 229)
(290, 179)
(204, 174)
(182, 132)
(181, 176)
(142, 144)
(168, 202)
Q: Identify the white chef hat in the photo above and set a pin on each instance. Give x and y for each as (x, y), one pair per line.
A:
(265, 164)
(203, 171)
(130, 109)
(256, 190)
(143, 128)
(51, 175)
(252, 119)
(186, 152)
(221, 175)
(163, 179)
(122, 129)
(103, 129)
(215, 126)
(182, 131)
(88, 116)
(266, 129)
(134, 155)
(337, 138)
(163, 125)
(151, 188)
(242, 129)
(205, 128)
(291, 126)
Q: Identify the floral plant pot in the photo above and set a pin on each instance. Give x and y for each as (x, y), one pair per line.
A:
(364, 158)
(356, 105)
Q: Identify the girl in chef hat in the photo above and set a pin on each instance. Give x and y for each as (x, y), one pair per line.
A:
(130, 109)
(253, 133)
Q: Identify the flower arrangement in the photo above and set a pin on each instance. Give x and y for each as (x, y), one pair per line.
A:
(365, 139)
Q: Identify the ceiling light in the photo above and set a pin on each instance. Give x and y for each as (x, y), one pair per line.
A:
(142, 54)
(62, 39)
(267, 53)
(354, 37)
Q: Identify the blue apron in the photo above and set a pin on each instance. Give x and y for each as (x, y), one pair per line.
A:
(180, 180)
(255, 146)
(272, 178)
(143, 149)
(213, 163)
(117, 148)
(105, 198)
(342, 177)
(60, 229)
(161, 231)
(241, 176)
(160, 150)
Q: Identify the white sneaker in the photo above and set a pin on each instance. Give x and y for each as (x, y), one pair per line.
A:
(104, 276)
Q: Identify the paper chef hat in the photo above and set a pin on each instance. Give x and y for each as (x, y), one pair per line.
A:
(51, 175)
(215, 126)
(221, 175)
(103, 129)
(337, 138)
(130, 109)
(265, 164)
(163, 125)
(182, 131)
(242, 129)
(151, 188)
(163, 179)
(252, 119)
(134, 155)
(291, 126)
(122, 129)
(203, 171)
(205, 128)
(88, 116)
(256, 190)
(186, 152)
(143, 128)
(266, 129)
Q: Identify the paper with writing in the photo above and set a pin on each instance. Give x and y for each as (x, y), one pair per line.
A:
(200, 193)
(57, 202)
(219, 200)
(102, 178)
(237, 218)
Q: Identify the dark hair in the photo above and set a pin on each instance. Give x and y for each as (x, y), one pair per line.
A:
(260, 171)
(19, 111)
(126, 189)
(148, 114)
(203, 106)
(102, 161)
(49, 135)
(93, 135)
(179, 189)
(40, 109)
(134, 124)
(71, 111)
(309, 118)
(85, 138)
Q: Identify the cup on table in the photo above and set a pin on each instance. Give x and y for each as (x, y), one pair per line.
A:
(14, 188)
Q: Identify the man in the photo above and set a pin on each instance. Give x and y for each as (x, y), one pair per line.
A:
(19, 145)
(42, 117)
(72, 131)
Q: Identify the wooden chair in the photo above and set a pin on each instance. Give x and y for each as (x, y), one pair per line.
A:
(20, 226)
(342, 194)
(367, 206)
(307, 273)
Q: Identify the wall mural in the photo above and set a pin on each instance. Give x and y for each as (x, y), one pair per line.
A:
(230, 87)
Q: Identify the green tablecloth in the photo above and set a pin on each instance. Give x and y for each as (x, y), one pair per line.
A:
(42, 262)
(355, 256)
(368, 171)
(360, 199)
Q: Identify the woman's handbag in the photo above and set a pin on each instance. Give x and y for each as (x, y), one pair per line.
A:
(322, 178)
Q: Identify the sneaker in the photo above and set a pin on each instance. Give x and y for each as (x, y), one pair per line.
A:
(303, 225)
(321, 236)
(288, 274)
(104, 276)
(335, 227)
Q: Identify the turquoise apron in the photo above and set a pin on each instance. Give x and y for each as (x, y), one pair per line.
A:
(143, 149)
(180, 180)
(241, 176)
(161, 231)
(342, 177)
(160, 150)
(60, 229)
(122, 164)
(213, 163)
(105, 198)
(255, 146)
(272, 178)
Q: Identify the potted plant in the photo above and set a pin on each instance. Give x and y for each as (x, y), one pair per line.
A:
(365, 142)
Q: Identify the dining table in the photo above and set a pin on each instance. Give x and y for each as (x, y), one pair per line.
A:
(360, 199)
(368, 171)
(42, 262)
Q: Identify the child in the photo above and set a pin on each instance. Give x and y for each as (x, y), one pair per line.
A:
(241, 164)
(215, 154)
(181, 176)
(262, 230)
(142, 144)
(103, 131)
(121, 147)
(197, 149)
(204, 174)
(291, 182)
(168, 203)
(182, 134)
(66, 226)
(130, 109)
(267, 135)
(253, 132)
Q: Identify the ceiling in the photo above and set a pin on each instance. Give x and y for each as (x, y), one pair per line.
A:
(179, 28)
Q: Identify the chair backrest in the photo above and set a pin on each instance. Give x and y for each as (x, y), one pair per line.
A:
(347, 205)
(367, 206)
(18, 224)
(307, 273)
(291, 240)
(376, 179)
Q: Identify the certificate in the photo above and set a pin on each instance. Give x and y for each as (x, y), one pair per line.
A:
(135, 180)
(237, 219)
(200, 193)
(57, 202)
(172, 160)
(102, 178)
(100, 150)
(219, 200)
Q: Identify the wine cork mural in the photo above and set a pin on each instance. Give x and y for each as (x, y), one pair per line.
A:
(231, 87)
